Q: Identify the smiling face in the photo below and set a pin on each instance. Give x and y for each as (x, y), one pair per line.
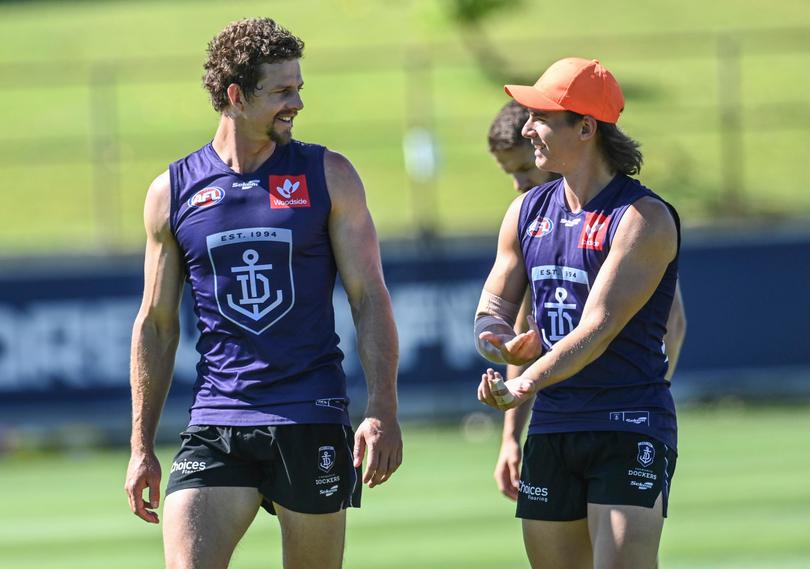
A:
(557, 142)
(270, 111)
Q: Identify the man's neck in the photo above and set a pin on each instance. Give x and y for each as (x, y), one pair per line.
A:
(585, 182)
(239, 151)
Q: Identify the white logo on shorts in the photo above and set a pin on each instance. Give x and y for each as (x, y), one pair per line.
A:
(187, 466)
(534, 493)
(329, 491)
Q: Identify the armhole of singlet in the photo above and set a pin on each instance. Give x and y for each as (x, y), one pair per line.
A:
(615, 219)
(319, 153)
(676, 218)
(174, 194)
(523, 216)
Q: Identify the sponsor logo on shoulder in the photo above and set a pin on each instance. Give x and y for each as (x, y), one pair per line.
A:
(246, 185)
(187, 466)
(594, 232)
(207, 197)
(540, 227)
(289, 192)
(326, 458)
(633, 417)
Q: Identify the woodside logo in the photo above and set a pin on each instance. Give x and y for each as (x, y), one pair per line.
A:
(288, 192)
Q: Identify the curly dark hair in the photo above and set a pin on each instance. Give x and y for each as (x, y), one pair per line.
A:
(620, 151)
(235, 54)
(506, 127)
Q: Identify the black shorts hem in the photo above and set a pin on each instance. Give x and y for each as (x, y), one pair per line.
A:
(201, 484)
(549, 518)
(267, 504)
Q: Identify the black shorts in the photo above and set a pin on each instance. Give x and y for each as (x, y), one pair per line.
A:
(564, 472)
(305, 468)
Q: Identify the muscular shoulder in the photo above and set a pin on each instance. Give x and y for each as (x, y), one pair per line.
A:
(158, 204)
(648, 223)
(342, 180)
(514, 208)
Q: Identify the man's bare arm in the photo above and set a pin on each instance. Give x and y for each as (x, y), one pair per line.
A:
(155, 335)
(503, 293)
(356, 250)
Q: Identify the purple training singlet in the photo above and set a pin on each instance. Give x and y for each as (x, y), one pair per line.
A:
(624, 389)
(259, 261)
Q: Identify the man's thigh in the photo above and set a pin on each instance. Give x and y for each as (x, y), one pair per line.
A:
(311, 541)
(201, 526)
(625, 537)
(557, 545)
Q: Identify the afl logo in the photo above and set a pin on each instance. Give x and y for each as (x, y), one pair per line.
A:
(540, 227)
(207, 197)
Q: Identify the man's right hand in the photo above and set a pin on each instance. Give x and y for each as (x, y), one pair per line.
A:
(516, 350)
(143, 473)
(507, 469)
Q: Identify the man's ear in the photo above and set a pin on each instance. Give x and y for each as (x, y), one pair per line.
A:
(588, 127)
(236, 98)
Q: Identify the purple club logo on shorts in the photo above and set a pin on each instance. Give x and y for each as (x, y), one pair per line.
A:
(646, 453)
(326, 458)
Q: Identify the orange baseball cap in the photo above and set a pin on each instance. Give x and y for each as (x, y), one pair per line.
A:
(583, 86)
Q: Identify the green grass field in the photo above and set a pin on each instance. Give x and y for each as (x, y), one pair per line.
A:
(97, 97)
(740, 500)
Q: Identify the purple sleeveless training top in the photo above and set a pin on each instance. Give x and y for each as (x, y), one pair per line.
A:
(624, 389)
(259, 261)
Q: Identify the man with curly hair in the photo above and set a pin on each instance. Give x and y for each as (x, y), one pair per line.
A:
(260, 224)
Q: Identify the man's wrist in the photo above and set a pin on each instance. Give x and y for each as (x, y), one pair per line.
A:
(510, 438)
(142, 445)
(385, 409)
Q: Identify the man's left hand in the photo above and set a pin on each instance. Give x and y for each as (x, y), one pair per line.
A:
(520, 387)
(383, 440)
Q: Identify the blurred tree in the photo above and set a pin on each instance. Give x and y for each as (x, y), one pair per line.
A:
(470, 16)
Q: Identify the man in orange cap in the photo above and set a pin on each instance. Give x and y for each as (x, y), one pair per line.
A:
(600, 253)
